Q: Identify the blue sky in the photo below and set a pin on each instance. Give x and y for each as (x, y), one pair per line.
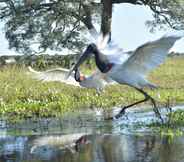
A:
(128, 29)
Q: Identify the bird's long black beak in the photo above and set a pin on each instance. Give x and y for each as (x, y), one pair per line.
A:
(84, 56)
(77, 75)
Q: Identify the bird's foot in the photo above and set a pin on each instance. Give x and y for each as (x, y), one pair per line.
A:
(158, 114)
(117, 116)
(120, 114)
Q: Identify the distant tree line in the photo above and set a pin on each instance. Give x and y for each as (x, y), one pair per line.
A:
(43, 61)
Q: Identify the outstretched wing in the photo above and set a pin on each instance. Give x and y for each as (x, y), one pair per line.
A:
(150, 55)
(57, 74)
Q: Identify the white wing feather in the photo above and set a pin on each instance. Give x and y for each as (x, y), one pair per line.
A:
(149, 56)
(97, 80)
(58, 74)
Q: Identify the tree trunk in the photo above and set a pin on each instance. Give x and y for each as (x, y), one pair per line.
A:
(106, 17)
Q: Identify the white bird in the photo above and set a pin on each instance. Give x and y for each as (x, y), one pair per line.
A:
(70, 141)
(131, 70)
(97, 80)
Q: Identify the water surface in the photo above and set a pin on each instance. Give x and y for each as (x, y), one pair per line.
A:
(107, 141)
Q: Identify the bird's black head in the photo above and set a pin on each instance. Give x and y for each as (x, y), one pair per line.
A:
(91, 48)
(78, 77)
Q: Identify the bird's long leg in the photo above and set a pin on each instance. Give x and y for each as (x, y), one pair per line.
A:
(147, 97)
(125, 107)
(155, 108)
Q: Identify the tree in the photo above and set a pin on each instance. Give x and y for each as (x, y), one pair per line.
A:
(58, 24)
(168, 12)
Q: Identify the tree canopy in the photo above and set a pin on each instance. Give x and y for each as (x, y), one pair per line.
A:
(58, 24)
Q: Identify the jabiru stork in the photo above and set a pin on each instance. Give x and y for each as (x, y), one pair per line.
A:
(132, 71)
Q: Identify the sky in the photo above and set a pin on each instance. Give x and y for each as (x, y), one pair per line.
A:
(4, 43)
(128, 29)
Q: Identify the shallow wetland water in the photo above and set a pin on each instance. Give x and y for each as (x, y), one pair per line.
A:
(124, 140)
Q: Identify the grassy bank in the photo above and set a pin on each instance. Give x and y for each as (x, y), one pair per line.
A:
(21, 96)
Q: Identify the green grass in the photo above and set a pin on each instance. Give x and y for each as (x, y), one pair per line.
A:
(23, 97)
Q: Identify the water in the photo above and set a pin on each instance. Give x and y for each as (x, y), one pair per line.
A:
(53, 140)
